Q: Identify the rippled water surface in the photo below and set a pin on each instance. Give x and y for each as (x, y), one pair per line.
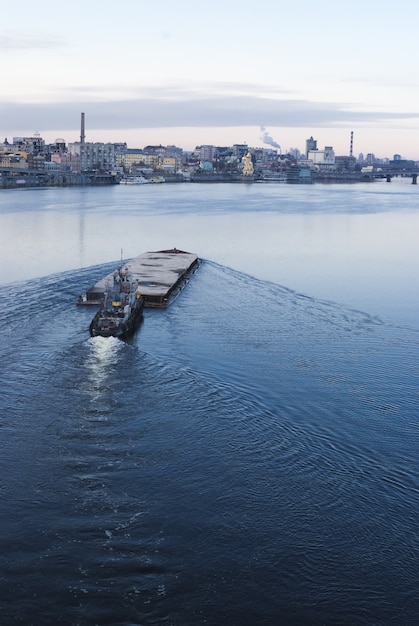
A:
(250, 456)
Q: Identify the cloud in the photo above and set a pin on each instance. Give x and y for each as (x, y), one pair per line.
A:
(182, 111)
(10, 42)
(188, 91)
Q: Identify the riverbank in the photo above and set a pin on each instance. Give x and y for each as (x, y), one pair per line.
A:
(38, 179)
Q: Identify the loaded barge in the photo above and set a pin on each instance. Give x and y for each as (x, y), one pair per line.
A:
(158, 277)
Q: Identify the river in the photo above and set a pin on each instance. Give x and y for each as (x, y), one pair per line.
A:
(250, 455)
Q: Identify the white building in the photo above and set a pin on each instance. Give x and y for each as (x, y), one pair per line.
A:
(322, 158)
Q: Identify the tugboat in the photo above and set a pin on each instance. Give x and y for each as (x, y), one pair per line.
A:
(122, 308)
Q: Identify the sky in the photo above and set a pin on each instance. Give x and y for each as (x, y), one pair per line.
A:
(193, 72)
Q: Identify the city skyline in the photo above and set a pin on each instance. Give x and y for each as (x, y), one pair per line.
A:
(218, 73)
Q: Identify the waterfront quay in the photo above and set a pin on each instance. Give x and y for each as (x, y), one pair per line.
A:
(23, 179)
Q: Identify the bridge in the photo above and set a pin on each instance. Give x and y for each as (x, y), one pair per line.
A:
(389, 174)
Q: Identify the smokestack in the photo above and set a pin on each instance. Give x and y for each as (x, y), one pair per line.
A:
(352, 144)
(82, 136)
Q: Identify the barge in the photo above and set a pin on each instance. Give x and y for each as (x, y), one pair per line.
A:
(158, 276)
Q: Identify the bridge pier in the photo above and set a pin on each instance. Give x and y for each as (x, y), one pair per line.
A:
(388, 178)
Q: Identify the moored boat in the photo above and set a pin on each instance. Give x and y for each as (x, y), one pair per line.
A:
(133, 180)
(122, 308)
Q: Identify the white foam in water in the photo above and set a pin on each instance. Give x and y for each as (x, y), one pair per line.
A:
(101, 361)
(104, 349)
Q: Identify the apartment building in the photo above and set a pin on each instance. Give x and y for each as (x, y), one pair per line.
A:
(91, 156)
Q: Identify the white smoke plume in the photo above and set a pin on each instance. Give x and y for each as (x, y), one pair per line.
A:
(266, 138)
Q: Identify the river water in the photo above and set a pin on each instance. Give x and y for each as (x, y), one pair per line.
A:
(250, 456)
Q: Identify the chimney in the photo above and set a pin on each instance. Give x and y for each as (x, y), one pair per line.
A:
(82, 136)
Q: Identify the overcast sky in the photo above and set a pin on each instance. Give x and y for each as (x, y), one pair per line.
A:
(214, 71)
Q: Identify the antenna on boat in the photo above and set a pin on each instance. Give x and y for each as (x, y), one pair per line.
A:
(121, 254)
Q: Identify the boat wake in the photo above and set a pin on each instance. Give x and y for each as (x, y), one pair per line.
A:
(247, 442)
